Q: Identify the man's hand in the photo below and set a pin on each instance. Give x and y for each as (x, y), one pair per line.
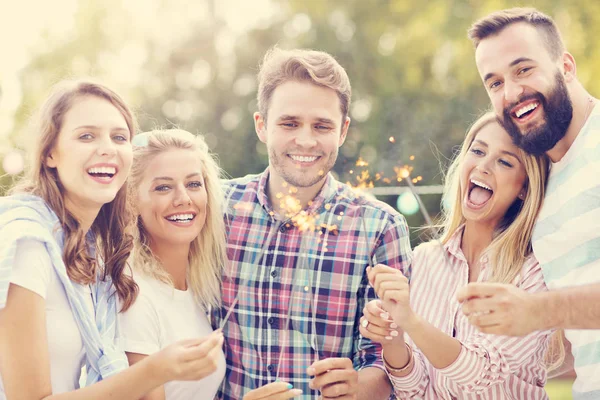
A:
(273, 391)
(500, 309)
(335, 378)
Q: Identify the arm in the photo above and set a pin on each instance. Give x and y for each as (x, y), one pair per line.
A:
(476, 364)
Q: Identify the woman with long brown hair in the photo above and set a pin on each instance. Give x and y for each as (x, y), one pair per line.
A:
(63, 251)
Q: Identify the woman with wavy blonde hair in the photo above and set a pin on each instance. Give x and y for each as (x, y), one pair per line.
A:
(430, 350)
(63, 250)
(178, 253)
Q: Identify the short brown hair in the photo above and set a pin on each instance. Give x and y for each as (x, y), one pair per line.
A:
(317, 67)
(497, 21)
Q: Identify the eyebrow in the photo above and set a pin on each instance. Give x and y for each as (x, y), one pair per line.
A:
(168, 178)
(512, 64)
(503, 151)
(294, 117)
(117, 128)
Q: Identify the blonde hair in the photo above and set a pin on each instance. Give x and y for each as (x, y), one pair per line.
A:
(316, 67)
(497, 21)
(511, 244)
(113, 243)
(207, 252)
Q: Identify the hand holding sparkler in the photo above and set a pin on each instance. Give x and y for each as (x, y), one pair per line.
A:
(334, 378)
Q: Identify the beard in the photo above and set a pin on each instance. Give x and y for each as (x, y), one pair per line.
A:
(558, 112)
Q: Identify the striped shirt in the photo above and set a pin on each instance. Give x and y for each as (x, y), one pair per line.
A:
(566, 241)
(489, 367)
(300, 293)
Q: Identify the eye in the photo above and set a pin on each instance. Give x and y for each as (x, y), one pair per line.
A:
(524, 70)
(86, 136)
(495, 84)
(289, 124)
(195, 185)
(477, 151)
(322, 127)
(120, 138)
(505, 163)
(162, 188)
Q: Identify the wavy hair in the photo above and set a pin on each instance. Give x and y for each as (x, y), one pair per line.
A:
(511, 244)
(110, 228)
(207, 252)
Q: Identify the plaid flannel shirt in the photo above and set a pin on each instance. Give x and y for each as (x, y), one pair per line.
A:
(298, 295)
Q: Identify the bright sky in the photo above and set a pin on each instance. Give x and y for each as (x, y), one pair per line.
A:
(28, 27)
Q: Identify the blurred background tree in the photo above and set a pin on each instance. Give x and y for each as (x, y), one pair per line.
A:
(192, 64)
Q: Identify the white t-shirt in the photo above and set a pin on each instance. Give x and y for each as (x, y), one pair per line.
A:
(162, 315)
(33, 270)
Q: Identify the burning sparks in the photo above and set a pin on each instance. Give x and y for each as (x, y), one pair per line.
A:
(392, 139)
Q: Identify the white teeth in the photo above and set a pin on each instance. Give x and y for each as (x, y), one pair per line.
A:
(181, 217)
(303, 158)
(481, 184)
(102, 170)
(523, 110)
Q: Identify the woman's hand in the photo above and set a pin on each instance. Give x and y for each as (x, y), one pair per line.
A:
(376, 324)
(273, 391)
(393, 290)
(189, 360)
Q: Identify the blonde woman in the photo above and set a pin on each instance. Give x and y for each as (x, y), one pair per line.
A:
(495, 191)
(63, 250)
(178, 255)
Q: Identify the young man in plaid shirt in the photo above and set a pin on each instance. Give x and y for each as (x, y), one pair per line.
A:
(295, 284)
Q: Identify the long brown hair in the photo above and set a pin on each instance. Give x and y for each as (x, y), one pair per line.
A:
(110, 228)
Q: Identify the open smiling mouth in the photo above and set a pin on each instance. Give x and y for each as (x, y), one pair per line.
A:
(522, 113)
(102, 173)
(183, 218)
(479, 193)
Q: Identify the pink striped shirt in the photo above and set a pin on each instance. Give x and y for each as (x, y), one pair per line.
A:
(488, 367)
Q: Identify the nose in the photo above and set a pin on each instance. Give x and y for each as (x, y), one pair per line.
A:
(305, 137)
(485, 165)
(512, 91)
(106, 146)
(182, 197)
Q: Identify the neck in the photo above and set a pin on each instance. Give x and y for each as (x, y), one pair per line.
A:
(303, 194)
(476, 238)
(583, 103)
(174, 259)
(84, 215)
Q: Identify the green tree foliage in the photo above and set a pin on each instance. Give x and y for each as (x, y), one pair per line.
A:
(411, 65)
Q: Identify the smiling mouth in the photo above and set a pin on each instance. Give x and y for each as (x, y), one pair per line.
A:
(303, 159)
(102, 172)
(523, 112)
(479, 193)
(181, 218)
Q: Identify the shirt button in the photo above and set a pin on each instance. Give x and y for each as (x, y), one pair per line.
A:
(270, 320)
(270, 367)
(274, 273)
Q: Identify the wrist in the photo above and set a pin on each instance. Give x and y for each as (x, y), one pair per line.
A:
(412, 323)
(547, 306)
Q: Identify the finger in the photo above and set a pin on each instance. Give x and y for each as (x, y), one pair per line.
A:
(396, 296)
(193, 341)
(378, 334)
(479, 289)
(379, 318)
(379, 269)
(268, 390)
(390, 285)
(198, 352)
(336, 390)
(482, 320)
(395, 276)
(331, 377)
(478, 305)
(322, 366)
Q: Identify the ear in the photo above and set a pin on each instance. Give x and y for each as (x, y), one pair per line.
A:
(344, 132)
(51, 160)
(569, 67)
(522, 194)
(260, 126)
